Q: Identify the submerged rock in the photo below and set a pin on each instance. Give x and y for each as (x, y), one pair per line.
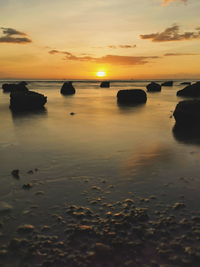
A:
(167, 83)
(24, 101)
(5, 207)
(187, 112)
(153, 87)
(133, 96)
(187, 135)
(192, 90)
(68, 89)
(105, 84)
(8, 88)
(185, 83)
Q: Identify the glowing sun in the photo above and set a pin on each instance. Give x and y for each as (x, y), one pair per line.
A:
(101, 73)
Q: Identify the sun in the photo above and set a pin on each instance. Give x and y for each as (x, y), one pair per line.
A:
(101, 73)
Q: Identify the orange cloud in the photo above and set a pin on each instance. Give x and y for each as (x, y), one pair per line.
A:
(121, 46)
(9, 36)
(108, 59)
(165, 2)
(180, 54)
(171, 34)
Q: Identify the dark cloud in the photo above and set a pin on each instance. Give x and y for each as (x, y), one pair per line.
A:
(180, 54)
(108, 59)
(171, 34)
(13, 36)
(121, 46)
(10, 31)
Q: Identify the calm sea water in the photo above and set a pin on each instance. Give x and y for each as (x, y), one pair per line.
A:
(124, 151)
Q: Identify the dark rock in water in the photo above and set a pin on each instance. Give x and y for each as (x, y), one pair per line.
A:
(133, 96)
(187, 112)
(67, 89)
(153, 87)
(185, 83)
(192, 90)
(15, 173)
(8, 88)
(187, 135)
(168, 83)
(105, 84)
(29, 100)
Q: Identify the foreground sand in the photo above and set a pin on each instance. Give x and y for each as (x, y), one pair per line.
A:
(125, 233)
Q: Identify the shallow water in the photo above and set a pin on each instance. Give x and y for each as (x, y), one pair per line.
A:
(122, 150)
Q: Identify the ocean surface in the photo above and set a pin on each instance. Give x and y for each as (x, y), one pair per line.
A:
(102, 153)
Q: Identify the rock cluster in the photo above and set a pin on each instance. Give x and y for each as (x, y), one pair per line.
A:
(122, 235)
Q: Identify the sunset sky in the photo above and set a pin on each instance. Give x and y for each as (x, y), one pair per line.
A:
(128, 39)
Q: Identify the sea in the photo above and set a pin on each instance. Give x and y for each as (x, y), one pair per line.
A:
(87, 150)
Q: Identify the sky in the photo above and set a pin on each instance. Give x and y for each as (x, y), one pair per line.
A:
(74, 39)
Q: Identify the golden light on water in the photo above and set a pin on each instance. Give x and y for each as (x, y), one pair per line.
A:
(101, 73)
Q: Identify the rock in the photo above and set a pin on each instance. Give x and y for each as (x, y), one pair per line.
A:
(28, 100)
(168, 83)
(19, 87)
(178, 205)
(188, 135)
(153, 87)
(105, 84)
(27, 186)
(133, 96)
(5, 207)
(39, 193)
(187, 112)
(15, 173)
(185, 83)
(103, 250)
(3, 253)
(26, 228)
(192, 90)
(67, 89)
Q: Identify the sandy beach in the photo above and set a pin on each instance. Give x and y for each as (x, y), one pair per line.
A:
(99, 184)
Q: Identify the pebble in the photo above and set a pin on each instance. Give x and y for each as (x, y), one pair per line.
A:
(5, 207)
(15, 173)
(178, 205)
(27, 186)
(26, 228)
